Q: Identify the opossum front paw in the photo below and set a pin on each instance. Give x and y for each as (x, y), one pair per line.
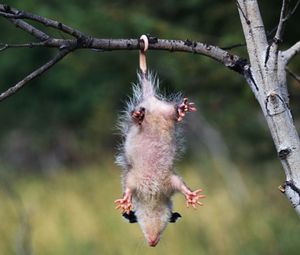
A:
(185, 107)
(124, 204)
(138, 115)
(193, 197)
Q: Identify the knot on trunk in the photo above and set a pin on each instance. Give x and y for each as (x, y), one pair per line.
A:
(284, 153)
(292, 192)
(274, 104)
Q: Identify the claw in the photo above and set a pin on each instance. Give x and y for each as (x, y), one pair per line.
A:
(124, 203)
(184, 108)
(192, 198)
(138, 115)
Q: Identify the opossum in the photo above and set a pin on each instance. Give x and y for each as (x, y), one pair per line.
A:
(149, 127)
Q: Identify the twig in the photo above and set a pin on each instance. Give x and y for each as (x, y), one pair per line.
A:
(15, 17)
(285, 14)
(17, 14)
(5, 46)
(41, 36)
(12, 90)
(282, 20)
(291, 12)
(287, 17)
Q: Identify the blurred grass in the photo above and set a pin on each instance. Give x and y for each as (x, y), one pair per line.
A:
(72, 212)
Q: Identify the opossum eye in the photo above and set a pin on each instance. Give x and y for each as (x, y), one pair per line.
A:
(174, 217)
(130, 217)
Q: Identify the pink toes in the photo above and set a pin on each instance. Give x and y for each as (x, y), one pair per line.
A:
(193, 197)
(184, 108)
(138, 115)
(124, 204)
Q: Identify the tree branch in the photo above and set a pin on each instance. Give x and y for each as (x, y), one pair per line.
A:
(12, 90)
(285, 14)
(280, 28)
(5, 46)
(292, 11)
(291, 52)
(234, 62)
(83, 41)
(5, 11)
(41, 36)
(12, 13)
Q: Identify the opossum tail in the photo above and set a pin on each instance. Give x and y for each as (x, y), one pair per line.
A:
(149, 84)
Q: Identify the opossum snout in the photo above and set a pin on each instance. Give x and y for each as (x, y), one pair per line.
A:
(153, 241)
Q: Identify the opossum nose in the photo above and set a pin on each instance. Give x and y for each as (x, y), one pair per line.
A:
(153, 241)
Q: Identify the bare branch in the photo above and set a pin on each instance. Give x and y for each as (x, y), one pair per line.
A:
(291, 52)
(7, 12)
(12, 90)
(285, 14)
(5, 46)
(281, 24)
(288, 16)
(292, 74)
(291, 12)
(30, 29)
(82, 41)
(17, 14)
(229, 60)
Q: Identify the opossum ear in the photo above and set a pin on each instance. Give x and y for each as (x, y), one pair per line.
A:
(174, 217)
(130, 217)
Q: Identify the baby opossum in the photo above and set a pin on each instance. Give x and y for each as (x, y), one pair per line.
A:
(147, 154)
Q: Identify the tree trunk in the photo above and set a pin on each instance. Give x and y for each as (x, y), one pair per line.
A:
(267, 79)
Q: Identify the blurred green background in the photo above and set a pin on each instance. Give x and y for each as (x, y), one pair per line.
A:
(58, 180)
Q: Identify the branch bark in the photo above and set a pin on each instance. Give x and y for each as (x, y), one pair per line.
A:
(291, 52)
(12, 90)
(15, 14)
(82, 41)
